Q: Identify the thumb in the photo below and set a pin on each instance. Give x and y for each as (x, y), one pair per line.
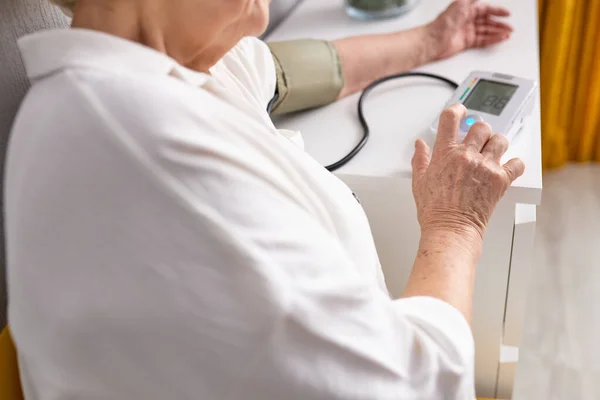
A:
(421, 159)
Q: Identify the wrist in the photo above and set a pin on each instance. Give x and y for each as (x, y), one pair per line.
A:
(433, 41)
(424, 48)
(443, 239)
(453, 220)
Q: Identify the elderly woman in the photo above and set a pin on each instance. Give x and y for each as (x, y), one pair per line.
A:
(165, 241)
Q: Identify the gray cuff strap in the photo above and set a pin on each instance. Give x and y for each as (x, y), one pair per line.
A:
(309, 74)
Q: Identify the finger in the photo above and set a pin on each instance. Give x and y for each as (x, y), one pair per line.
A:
(491, 30)
(489, 40)
(514, 169)
(449, 124)
(486, 9)
(478, 136)
(493, 23)
(420, 160)
(495, 147)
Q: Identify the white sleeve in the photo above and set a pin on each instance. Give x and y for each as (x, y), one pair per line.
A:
(342, 340)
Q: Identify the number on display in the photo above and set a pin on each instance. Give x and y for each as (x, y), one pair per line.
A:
(494, 101)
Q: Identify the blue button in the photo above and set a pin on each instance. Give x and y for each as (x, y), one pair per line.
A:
(468, 121)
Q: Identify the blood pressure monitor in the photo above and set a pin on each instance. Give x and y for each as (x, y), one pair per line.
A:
(503, 101)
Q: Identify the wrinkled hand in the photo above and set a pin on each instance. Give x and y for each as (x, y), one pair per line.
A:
(467, 24)
(458, 186)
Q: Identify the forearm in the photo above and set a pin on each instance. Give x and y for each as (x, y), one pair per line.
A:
(445, 268)
(365, 59)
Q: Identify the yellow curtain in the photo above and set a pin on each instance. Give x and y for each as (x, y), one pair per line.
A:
(570, 81)
(10, 386)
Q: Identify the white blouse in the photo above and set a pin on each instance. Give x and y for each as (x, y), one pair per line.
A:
(166, 241)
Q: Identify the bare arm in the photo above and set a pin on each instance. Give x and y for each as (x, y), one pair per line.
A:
(463, 25)
(367, 58)
(445, 269)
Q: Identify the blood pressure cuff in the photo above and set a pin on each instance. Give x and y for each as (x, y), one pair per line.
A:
(309, 74)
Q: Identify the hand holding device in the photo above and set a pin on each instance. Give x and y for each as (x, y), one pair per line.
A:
(458, 185)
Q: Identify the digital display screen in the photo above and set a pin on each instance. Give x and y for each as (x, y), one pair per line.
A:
(490, 97)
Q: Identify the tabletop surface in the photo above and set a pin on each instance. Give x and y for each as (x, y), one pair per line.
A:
(401, 111)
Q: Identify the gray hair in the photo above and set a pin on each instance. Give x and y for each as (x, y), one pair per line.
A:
(66, 5)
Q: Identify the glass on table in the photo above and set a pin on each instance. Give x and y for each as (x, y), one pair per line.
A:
(378, 9)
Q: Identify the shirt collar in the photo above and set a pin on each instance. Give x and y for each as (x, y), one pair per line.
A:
(49, 51)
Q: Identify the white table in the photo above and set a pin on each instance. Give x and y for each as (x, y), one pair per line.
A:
(401, 111)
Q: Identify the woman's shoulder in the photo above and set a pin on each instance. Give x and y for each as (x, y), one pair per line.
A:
(95, 93)
(251, 65)
(249, 49)
(148, 111)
